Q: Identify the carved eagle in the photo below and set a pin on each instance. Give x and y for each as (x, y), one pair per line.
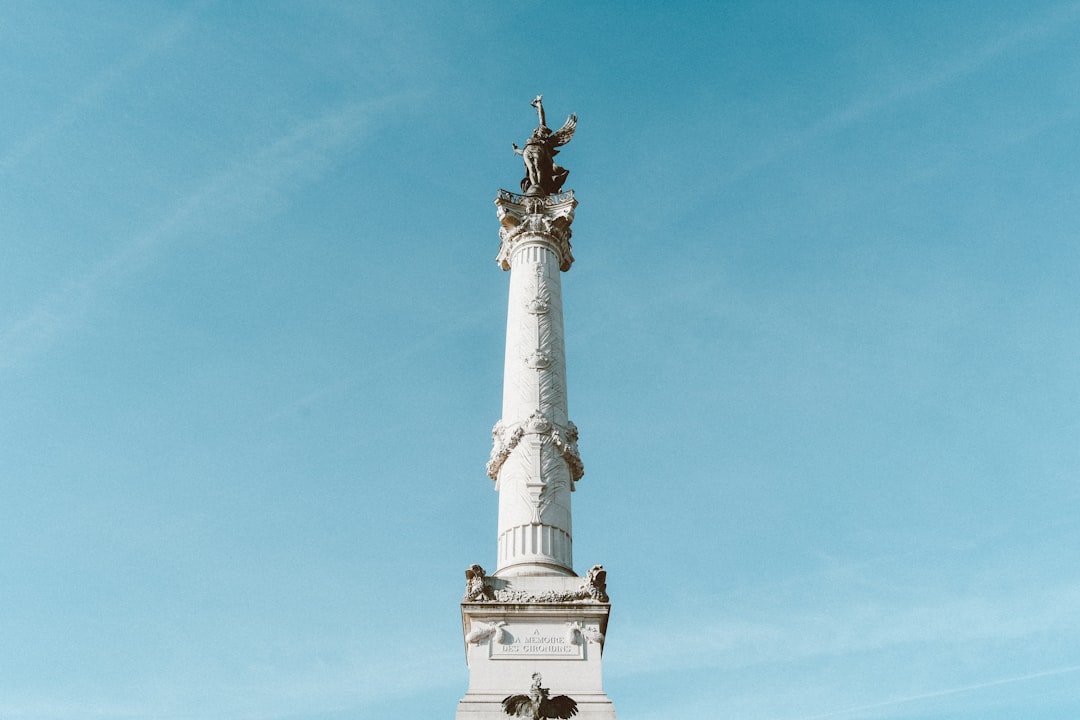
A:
(538, 705)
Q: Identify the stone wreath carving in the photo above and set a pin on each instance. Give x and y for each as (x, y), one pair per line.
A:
(506, 438)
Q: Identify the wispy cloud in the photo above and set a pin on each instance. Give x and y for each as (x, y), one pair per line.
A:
(858, 624)
(99, 85)
(288, 684)
(828, 644)
(236, 195)
(943, 693)
(1039, 28)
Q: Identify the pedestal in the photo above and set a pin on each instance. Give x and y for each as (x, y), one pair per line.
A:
(546, 632)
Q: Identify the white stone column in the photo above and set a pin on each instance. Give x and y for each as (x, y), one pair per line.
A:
(534, 460)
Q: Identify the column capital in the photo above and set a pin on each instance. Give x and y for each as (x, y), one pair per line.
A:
(543, 219)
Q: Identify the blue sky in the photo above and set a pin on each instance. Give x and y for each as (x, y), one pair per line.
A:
(822, 339)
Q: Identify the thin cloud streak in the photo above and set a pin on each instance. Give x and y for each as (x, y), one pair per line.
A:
(1045, 25)
(943, 693)
(861, 626)
(98, 87)
(297, 157)
(351, 685)
(377, 367)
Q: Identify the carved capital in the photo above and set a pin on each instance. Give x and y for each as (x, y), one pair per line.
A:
(538, 218)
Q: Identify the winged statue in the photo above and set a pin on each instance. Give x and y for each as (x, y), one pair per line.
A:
(542, 175)
(538, 704)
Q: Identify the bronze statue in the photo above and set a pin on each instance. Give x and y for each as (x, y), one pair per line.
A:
(537, 705)
(542, 175)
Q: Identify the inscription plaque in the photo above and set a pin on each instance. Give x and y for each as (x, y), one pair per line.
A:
(537, 642)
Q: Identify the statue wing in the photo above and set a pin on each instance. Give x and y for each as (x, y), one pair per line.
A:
(563, 134)
(517, 705)
(560, 706)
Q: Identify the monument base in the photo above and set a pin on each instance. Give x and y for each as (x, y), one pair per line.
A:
(507, 642)
(489, 707)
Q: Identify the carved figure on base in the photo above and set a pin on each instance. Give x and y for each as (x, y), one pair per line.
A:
(538, 704)
(476, 589)
(542, 175)
(595, 585)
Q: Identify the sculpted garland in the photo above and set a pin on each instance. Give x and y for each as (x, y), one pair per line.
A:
(505, 439)
(593, 588)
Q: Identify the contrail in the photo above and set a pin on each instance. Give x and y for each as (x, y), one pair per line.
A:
(1044, 25)
(949, 691)
(293, 158)
(92, 93)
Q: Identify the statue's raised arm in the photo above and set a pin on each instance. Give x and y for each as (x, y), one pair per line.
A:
(542, 175)
(538, 103)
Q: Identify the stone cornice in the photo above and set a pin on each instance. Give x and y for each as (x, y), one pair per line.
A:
(545, 219)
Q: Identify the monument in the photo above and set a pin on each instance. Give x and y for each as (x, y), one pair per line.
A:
(534, 619)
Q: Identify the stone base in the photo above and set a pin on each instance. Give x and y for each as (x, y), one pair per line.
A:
(506, 642)
(489, 707)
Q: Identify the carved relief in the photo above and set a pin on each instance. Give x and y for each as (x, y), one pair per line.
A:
(476, 587)
(541, 301)
(567, 446)
(577, 631)
(596, 583)
(538, 359)
(537, 424)
(593, 588)
(481, 631)
(537, 306)
(504, 440)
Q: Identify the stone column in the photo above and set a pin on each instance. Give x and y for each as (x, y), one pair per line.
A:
(534, 461)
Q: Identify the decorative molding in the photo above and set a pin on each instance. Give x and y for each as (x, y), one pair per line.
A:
(537, 201)
(593, 588)
(546, 219)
